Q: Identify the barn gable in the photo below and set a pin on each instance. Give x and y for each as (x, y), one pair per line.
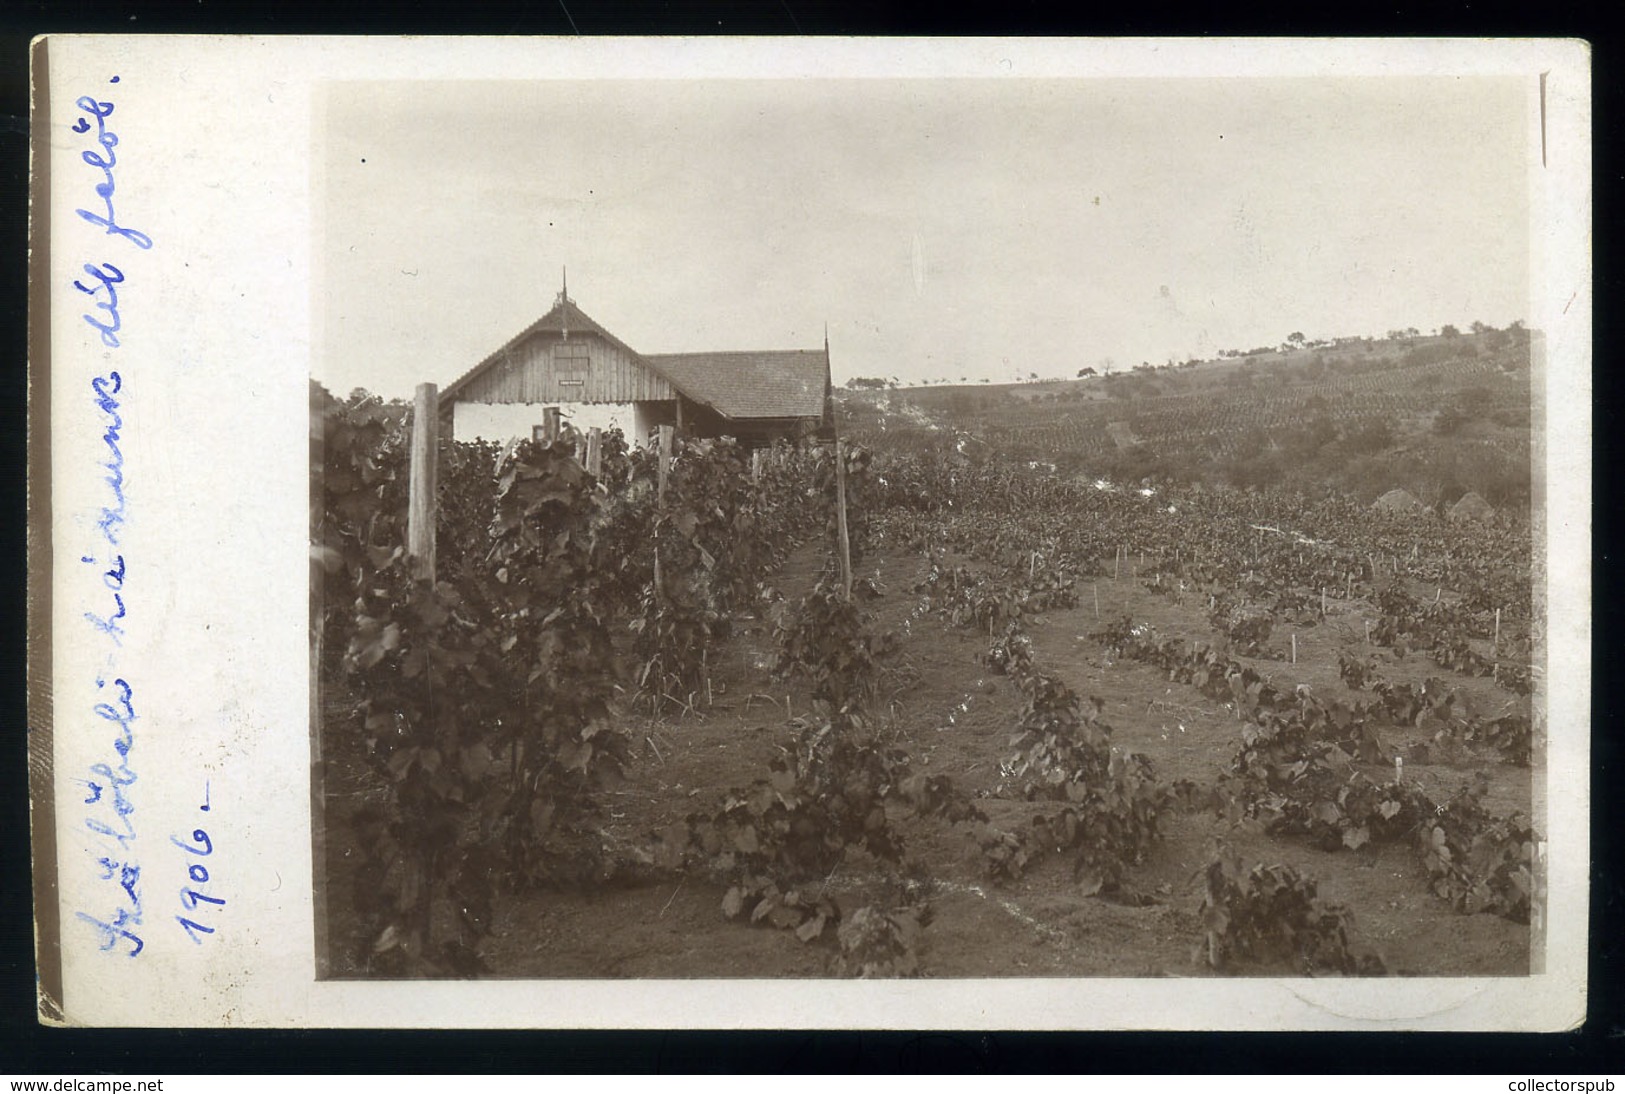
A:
(563, 357)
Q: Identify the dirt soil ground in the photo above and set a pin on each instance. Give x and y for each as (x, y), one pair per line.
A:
(953, 716)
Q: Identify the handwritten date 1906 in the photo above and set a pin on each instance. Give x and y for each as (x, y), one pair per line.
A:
(197, 874)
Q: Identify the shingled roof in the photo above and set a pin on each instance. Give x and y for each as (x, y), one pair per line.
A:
(750, 383)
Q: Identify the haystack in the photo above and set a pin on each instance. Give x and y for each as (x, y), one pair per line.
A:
(1471, 507)
(1398, 500)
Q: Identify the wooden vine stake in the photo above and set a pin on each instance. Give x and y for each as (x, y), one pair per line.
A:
(663, 467)
(1096, 586)
(1495, 642)
(1294, 649)
(595, 452)
(840, 519)
(664, 464)
(420, 512)
(550, 424)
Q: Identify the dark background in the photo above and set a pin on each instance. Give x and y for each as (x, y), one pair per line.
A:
(26, 1049)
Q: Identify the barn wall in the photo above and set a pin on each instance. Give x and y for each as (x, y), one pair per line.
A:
(502, 422)
(530, 375)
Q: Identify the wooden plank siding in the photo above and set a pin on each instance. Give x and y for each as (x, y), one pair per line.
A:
(531, 374)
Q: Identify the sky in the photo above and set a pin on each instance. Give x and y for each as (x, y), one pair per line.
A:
(937, 228)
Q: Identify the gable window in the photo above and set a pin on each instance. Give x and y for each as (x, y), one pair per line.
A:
(571, 363)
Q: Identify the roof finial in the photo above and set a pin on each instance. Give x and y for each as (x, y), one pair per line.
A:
(564, 298)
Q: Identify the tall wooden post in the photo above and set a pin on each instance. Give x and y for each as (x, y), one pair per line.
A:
(664, 464)
(840, 518)
(595, 451)
(663, 467)
(420, 513)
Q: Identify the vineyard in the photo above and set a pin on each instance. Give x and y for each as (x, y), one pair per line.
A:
(1362, 422)
(874, 711)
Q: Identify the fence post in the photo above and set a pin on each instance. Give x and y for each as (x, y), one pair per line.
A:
(665, 457)
(420, 513)
(840, 518)
(595, 451)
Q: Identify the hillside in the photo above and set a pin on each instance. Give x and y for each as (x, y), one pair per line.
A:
(1437, 415)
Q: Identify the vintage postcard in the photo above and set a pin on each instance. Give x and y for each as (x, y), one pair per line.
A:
(1010, 534)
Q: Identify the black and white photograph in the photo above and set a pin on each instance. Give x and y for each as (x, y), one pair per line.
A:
(934, 528)
(875, 534)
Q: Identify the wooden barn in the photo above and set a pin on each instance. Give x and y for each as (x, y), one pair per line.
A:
(567, 360)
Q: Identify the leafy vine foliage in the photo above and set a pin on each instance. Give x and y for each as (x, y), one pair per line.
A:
(481, 699)
(1271, 916)
(1297, 773)
(484, 697)
(715, 535)
(837, 793)
(1063, 752)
